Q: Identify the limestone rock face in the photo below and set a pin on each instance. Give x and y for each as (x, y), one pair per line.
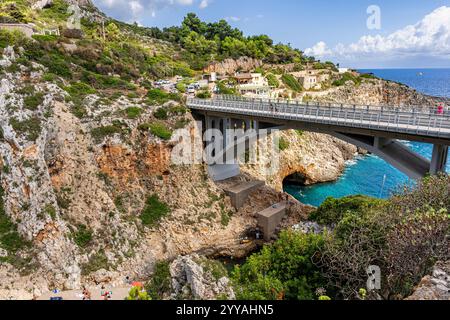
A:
(375, 92)
(41, 4)
(231, 66)
(313, 157)
(435, 286)
(192, 277)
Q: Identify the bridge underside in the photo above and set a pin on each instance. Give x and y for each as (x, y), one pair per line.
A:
(383, 144)
(399, 155)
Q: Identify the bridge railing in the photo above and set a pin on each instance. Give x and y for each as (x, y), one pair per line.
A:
(379, 118)
(405, 108)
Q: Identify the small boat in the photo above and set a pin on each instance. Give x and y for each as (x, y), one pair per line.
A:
(420, 74)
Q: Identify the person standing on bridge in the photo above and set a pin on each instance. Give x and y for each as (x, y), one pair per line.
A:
(440, 109)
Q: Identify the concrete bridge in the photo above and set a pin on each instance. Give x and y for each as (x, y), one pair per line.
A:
(377, 129)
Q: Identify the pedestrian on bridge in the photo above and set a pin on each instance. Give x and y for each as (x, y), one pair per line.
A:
(441, 109)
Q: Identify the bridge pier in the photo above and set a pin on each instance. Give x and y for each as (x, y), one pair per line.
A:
(439, 159)
(223, 169)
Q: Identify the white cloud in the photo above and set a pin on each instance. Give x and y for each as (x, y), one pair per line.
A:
(429, 37)
(235, 19)
(319, 50)
(136, 9)
(204, 4)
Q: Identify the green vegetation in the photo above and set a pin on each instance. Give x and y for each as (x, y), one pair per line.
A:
(345, 78)
(137, 295)
(80, 89)
(273, 80)
(159, 130)
(224, 89)
(404, 236)
(332, 210)
(283, 144)
(202, 40)
(133, 112)
(83, 236)
(100, 133)
(159, 97)
(154, 211)
(31, 128)
(215, 268)
(203, 94)
(160, 283)
(284, 270)
(292, 83)
(368, 76)
(10, 239)
(96, 262)
(51, 211)
(161, 114)
(181, 123)
(34, 101)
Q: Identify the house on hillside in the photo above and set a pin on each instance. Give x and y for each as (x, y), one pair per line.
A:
(252, 84)
(312, 79)
(210, 77)
(27, 29)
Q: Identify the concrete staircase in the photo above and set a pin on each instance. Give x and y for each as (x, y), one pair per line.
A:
(240, 192)
(270, 218)
(220, 172)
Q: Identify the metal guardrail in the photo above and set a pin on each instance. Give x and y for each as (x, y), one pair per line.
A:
(400, 120)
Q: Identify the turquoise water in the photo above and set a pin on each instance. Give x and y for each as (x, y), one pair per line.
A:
(371, 175)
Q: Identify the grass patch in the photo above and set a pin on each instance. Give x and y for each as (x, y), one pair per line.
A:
(96, 262)
(154, 211)
(10, 239)
(31, 128)
(292, 83)
(159, 130)
(51, 211)
(283, 144)
(83, 236)
(100, 133)
(159, 97)
(34, 101)
(133, 112)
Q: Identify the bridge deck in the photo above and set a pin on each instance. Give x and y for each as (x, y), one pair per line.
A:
(420, 122)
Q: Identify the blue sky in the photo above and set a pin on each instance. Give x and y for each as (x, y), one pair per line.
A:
(412, 33)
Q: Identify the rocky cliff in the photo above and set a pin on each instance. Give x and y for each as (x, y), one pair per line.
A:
(435, 286)
(75, 189)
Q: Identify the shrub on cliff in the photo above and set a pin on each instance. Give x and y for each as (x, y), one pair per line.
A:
(404, 236)
(284, 270)
(154, 211)
(10, 239)
(273, 81)
(161, 114)
(32, 102)
(161, 131)
(160, 283)
(31, 128)
(133, 112)
(332, 210)
(82, 236)
(292, 83)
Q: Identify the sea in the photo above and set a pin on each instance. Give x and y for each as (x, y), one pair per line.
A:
(371, 175)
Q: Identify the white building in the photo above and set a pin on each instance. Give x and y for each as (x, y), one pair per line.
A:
(252, 84)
